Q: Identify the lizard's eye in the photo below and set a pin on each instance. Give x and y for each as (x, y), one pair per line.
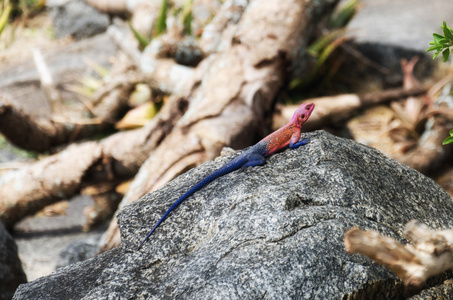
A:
(302, 116)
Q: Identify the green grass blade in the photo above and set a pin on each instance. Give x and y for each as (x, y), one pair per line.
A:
(5, 16)
(142, 40)
(187, 16)
(316, 48)
(161, 25)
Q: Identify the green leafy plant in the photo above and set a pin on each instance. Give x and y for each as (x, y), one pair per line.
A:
(323, 48)
(442, 43)
(341, 17)
(448, 140)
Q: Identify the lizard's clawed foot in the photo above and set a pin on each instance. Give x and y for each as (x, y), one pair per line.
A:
(298, 144)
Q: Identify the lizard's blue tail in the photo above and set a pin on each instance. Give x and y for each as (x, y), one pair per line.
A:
(225, 169)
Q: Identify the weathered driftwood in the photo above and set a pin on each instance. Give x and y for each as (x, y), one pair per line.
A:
(47, 82)
(42, 134)
(25, 115)
(118, 157)
(339, 108)
(431, 253)
(27, 190)
(143, 13)
(233, 91)
(112, 7)
(429, 153)
(106, 199)
(160, 73)
(217, 35)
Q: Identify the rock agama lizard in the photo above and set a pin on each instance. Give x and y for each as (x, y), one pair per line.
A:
(288, 135)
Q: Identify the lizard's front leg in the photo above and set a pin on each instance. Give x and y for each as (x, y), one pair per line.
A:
(300, 143)
(294, 142)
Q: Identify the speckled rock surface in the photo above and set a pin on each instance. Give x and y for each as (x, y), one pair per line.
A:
(77, 19)
(11, 272)
(273, 232)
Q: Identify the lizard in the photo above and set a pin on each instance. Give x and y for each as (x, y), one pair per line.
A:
(288, 135)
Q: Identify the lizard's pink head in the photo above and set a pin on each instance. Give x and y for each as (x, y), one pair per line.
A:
(302, 114)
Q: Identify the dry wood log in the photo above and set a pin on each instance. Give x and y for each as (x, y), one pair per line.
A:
(339, 108)
(161, 74)
(235, 91)
(144, 12)
(426, 156)
(429, 153)
(42, 134)
(106, 200)
(118, 157)
(218, 33)
(31, 133)
(431, 253)
(27, 129)
(47, 82)
(112, 6)
(30, 189)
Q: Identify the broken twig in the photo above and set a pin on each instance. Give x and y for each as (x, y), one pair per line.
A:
(431, 253)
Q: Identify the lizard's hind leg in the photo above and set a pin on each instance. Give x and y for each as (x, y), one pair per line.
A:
(254, 160)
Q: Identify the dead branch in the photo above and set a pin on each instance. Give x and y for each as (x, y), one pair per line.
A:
(231, 93)
(106, 200)
(431, 253)
(111, 6)
(341, 107)
(27, 190)
(218, 33)
(162, 74)
(47, 83)
(429, 153)
(41, 134)
(121, 34)
(144, 16)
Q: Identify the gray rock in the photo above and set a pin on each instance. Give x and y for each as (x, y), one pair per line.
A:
(273, 232)
(400, 23)
(443, 290)
(78, 251)
(44, 241)
(77, 19)
(11, 272)
(386, 31)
